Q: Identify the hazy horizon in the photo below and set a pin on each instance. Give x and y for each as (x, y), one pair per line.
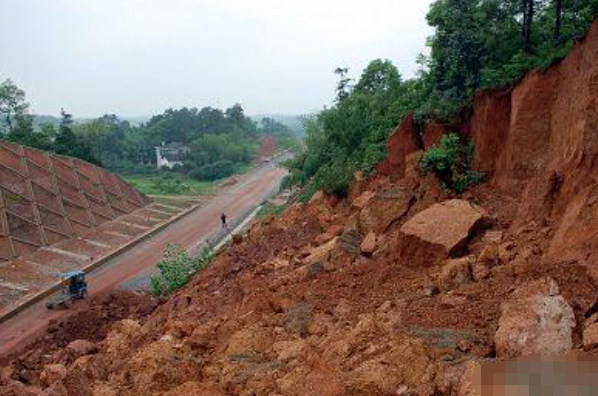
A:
(135, 58)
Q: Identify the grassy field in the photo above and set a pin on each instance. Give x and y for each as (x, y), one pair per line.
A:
(157, 185)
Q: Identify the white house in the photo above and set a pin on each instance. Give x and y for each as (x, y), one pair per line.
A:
(170, 155)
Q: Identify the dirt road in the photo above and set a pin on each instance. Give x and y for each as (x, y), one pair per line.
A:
(191, 231)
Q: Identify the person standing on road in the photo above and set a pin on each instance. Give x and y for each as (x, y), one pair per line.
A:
(223, 219)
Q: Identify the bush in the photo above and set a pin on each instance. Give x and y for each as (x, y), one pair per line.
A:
(170, 186)
(373, 155)
(336, 177)
(176, 269)
(451, 163)
(308, 191)
(215, 171)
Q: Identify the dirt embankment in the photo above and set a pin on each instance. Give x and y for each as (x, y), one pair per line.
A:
(397, 290)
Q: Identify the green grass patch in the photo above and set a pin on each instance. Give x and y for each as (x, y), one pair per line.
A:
(177, 268)
(171, 185)
(271, 211)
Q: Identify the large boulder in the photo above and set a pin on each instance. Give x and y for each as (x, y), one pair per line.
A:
(439, 232)
(536, 320)
(384, 209)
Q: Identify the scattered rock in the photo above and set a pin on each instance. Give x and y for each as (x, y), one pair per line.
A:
(312, 271)
(489, 256)
(480, 270)
(373, 377)
(80, 348)
(318, 196)
(459, 379)
(118, 340)
(298, 319)
(317, 378)
(287, 351)
(57, 389)
(369, 244)
(52, 373)
(103, 390)
(332, 232)
(493, 237)
(385, 307)
(349, 243)
(203, 337)
(452, 300)
(343, 309)
(321, 254)
(254, 339)
(590, 336)
(506, 252)
(195, 388)
(536, 320)
(359, 176)
(430, 287)
(455, 273)
(439, 232)
(404, 390)
(361, 201)
(592, 319)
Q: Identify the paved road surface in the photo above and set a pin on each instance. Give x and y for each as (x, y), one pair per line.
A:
(139, 261)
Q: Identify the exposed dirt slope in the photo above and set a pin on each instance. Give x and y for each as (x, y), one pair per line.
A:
(397, 290)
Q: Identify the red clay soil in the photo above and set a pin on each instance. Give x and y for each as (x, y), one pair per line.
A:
(299, 308)
(89, 320)
(262, 297)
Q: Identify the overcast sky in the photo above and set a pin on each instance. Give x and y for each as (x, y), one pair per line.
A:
(138, 57)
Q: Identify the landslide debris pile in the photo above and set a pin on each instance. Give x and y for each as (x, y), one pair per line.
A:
(398, 289)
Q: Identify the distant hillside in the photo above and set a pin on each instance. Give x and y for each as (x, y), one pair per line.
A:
(45, 119)
(293, 122)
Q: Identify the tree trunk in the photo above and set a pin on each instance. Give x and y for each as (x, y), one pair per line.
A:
(558, 8)
(9, 122)
(528, 19)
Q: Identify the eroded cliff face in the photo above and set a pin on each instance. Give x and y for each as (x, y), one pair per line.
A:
(541, 139)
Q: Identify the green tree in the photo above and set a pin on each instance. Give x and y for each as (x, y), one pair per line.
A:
(13, 107)
(343, 88)
(456, 49)
(476, 44)
(67, 143)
